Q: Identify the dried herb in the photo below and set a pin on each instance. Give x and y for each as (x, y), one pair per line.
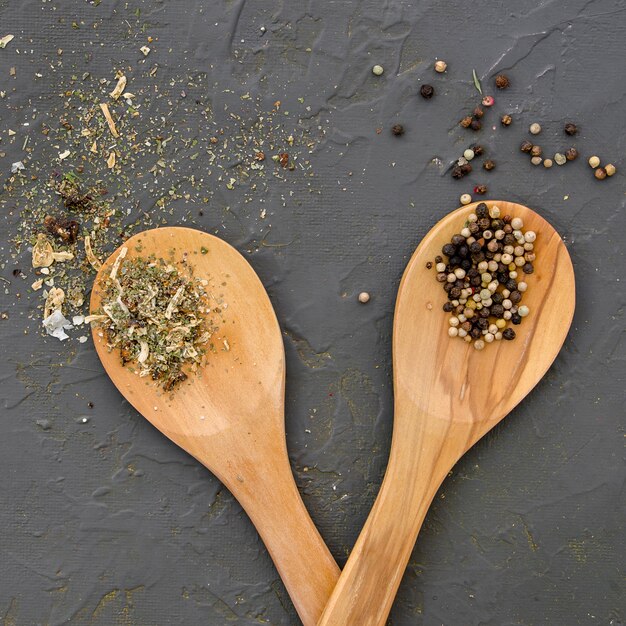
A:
(156, 316)
(477, 82)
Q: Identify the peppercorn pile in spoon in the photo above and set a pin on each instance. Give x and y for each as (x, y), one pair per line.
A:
(482, 276)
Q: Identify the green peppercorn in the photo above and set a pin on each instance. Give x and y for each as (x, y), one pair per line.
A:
(397, 129)
(489, 165)
(526, 146)
(427, 91)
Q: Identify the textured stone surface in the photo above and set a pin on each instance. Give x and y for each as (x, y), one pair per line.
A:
(105, 521)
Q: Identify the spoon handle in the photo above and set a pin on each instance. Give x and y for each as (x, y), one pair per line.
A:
(418, 464)
(270, 497)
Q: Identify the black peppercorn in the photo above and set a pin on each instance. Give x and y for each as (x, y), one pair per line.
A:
(447, 286)
(477, 149)
(442, 277)
(508, 334)
(528, 268)
(483, 322)
(571, 154)
(457, 172)
(507, 219)
(455, 260)
(475, 332)
(489, 165)
(515, 297)
(455, 293)
(438, 259)
(475, 247)
(511, 284)
(475, 282)
(497, 310)
(466, 122)
(478, 112)
(397, 130)
(482, 210)
(466, 326)
(447, 307)
(497, 298)
(427, 91)
(536, 151)
(474, 228)
(473, 272)
(516, 318)
(570, 129)
(448, 250)
(476, 125)
(457, 240)
(502, 81)
(466, 264)
(526, 146)
(429, 265)
(484, 222)
(480, 189)
(466, 168)
(463, 251)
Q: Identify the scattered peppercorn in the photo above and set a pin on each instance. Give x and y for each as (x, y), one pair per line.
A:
(536, 151)
(440, 66)
(610, 169)
(560, 159)
(506, 120)
(600, 173)
(364, 297)
(547, 163)
(480, 189)
(477, 149)
(465, 198)
(534, 129)
(427, 91)
(536, 160)
(570, 129)
(502, 81)
(489, 165)
(466, 122)
(476, 125)
(526, 146)
(457, 172)
(508, 334)
(429, 265)
(594, 161)
(478, 112)
(571, 154)
(488, 101)
(377, 70)
(397, 129)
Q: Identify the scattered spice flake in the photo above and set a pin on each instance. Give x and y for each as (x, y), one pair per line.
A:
(111, 160)
(107, 115)
(477, 82)
(54, 301)
(91, 257)
(43, 252)
(155, 316)
(145, 50)
(119, 88)
(37, 285)
(6, 40)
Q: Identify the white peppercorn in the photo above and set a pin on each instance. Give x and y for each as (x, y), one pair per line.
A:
(377, 70)
(534, 129)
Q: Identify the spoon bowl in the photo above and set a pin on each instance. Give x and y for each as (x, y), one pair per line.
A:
(230, 414)
(447, 395)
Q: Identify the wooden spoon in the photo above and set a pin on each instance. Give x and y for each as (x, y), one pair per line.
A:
(447, 396)
(230, 416)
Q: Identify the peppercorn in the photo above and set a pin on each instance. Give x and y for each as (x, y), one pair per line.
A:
(610, 169)
(466, 168)
(377, 70)
(477, 149)
(429, 265)
(535, 129)
(364, 297)
(516, 318)
(480, 189)
(497, 310)
(528, 268)
(489, 165)
(481, 210)
(526, 146)
(478, 112)
(506, 120)
(508, 334)
(536, 151)
(536, 160)
(447, 307)
(600, 173)
(488, 101)
(465, 198)
(594, 161)
(449, 250)
(571, 154)
(457, 240)
(438, 259)
(502, 81)
(457, 172)
(476, 125)
(474, 228)
(547, 163)
(427, 91)
(440, 66)
(515, 296)
(466, 121)
(397, 129)
(570, 129)
(560, 159)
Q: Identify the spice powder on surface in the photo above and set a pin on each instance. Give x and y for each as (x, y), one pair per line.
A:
(156, 316)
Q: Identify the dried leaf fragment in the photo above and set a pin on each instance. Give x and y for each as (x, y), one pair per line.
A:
(119, 88)
(43, 253)
(111, 160)
(6, 40)
(91, 257)
(107, 115)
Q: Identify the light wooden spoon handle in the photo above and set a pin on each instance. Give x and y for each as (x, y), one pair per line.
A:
(302, 559)
(369, 582)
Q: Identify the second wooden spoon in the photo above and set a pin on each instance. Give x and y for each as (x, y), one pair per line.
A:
(447, 396)
(230, 416)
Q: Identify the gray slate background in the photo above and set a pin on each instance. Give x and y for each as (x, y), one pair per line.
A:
(104, 521)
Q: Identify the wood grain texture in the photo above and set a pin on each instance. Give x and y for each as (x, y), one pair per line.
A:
(447, 395)
(230, 416)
